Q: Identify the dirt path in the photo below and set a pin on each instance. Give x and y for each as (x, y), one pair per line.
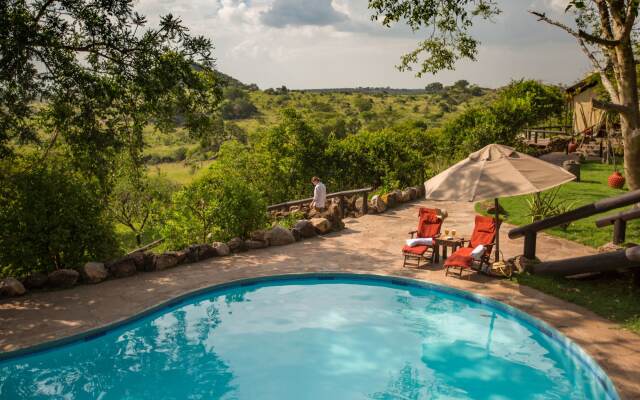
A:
(370, 244)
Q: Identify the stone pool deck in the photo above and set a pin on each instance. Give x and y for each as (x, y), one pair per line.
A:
(370, 244)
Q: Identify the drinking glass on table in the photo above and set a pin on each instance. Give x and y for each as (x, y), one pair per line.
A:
(446, 233)
(453, 233)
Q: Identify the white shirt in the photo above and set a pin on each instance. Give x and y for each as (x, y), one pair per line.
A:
(320, 195)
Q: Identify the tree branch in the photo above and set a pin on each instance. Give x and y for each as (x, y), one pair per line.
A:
(607, 106)
(594, 61)
(42, 10)
(597, 40)
(630, 18)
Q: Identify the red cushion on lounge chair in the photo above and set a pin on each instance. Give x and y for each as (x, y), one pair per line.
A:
(460, 258)
(417, 250)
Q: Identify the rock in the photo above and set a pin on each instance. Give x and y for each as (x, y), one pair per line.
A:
(321, 225)
(260, 236)
(521, 264)
(279, 236)
(390, 199)
(169, 259)
(11, 287)
(404, 196)
(306, 229)
(421, 191)
(296, 234)
(123, 267)
(198, 252)
(442, 213)
(255, 244)
(413, 193)
(358, 204)
(293, 209)
(334, 215)
(64, 278)
(378, 203)
(222, 250)
(236, 245)
(36, 280)
(140, 260)
(94, 272)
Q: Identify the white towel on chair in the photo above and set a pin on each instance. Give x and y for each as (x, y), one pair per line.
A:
(420, 242)
(478, 252)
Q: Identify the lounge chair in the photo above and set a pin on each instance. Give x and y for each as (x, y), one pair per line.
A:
(429, 224)
(484, 233)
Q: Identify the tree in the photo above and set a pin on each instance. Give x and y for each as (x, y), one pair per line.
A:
(604, 30)
(89, 74)
(434, 87)
(461, 84)
(604, 33)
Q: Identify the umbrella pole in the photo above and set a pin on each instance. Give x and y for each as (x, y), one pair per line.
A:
(497, 216)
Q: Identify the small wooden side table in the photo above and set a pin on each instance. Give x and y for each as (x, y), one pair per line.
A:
(445, 243)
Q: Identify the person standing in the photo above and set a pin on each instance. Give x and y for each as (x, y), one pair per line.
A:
(319, 194)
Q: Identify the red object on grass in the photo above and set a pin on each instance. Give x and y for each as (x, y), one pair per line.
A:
(616, 180)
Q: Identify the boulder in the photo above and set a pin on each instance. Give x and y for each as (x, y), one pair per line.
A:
(390, 199)
(169, 259)
(521, 264)
(358, 204)
(94, 272)
(222, 250)
(296, 234)
(305, 227)
(260, 236)
(236, 245)
(197, 252)
(255, 244)
(404, 196)
(279, 236)
(413, 193)
(36, 280)
(11, 287)
(293, 209)
(148, 262)
(321, 225)
(138, 260)
(378, 203)
(442, 213)
(64, 278)
(122, 267)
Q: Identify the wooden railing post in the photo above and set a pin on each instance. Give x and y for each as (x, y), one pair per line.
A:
(619, 231)
(535, 137)
(365, 202)
(530, 245)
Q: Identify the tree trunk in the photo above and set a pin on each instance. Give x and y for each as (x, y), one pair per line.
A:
(630, 120)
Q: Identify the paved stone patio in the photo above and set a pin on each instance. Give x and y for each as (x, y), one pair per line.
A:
(370, 244)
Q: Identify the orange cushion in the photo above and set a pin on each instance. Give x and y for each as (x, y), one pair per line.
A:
(417, 250)
(460, 258)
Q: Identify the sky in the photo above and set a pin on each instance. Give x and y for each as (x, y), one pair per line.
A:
(306, 44)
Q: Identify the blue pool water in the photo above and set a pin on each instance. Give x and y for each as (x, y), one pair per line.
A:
(344, 338)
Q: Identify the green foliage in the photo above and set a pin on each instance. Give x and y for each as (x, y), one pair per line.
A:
(137, 202)
(290, 220)
(92, 77)
(216, 206)
(237, 104)
(50, 218)
(363, 104)
(547, 204)
(392, 156)
(519, 104)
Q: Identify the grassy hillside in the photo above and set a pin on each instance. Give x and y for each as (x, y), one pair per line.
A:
(340, 112)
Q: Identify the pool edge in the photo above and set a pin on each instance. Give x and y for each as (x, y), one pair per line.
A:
(552, 333)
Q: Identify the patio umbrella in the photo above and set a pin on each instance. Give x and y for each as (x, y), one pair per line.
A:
(492, 172)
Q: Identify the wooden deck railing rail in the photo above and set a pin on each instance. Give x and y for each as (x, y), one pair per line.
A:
(364, 192)
(530, 231)
(619, 222)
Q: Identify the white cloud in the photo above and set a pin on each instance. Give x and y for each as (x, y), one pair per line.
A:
(333, 43)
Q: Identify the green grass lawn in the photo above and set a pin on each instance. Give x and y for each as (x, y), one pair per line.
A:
(593, 187)
(179, 172)
(612, 296)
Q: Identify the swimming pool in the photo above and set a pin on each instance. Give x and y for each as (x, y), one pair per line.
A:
(315, 337)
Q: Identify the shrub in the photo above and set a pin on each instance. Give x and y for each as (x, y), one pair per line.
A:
(216, 206)
(50, 218)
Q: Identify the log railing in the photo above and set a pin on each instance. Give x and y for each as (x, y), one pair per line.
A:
(530, 231)
(364, 192)
(619, 222)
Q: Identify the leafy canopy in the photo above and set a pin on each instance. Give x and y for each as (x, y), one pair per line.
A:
(447, 24)
(91, 73)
